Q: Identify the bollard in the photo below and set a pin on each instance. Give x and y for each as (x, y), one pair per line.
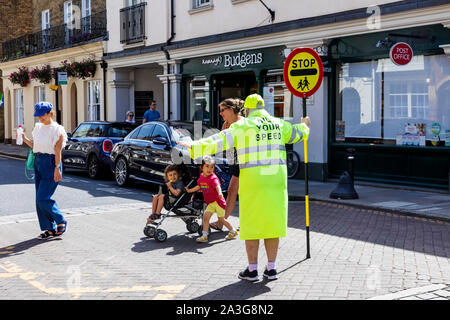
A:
(345, 188)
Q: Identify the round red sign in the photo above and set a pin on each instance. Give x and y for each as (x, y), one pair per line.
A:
(401, 54)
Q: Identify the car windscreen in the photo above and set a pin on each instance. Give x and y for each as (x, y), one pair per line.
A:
(186, 133)
(119, 130)
(91, 130)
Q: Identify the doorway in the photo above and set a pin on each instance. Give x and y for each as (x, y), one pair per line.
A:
(73, 107)
(231, 85)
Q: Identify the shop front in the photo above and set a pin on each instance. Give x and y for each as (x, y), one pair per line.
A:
(209, 80)
(390, 102)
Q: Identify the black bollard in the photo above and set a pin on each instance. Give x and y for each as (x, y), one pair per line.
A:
(345, 188)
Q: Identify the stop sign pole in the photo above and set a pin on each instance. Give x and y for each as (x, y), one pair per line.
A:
(303, 74)
(305, 146)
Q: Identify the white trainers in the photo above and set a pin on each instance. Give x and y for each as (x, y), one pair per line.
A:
(203, 238)
(231, 235)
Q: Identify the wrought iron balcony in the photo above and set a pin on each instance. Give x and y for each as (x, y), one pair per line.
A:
(84, 30)
(132, 24)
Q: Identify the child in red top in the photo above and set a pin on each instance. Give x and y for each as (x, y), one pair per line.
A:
(209, 185)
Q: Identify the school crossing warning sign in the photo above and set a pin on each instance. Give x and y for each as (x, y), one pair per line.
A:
(303, 72)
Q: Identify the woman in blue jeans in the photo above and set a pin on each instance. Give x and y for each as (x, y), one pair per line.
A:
(48, 140)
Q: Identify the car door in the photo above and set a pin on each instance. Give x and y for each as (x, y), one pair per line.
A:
(160, 148)
(140, 152)
(72, 153)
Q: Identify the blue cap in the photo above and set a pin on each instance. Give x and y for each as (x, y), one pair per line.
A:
(42, 108)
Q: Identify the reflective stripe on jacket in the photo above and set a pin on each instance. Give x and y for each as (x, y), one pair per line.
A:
(260, 145)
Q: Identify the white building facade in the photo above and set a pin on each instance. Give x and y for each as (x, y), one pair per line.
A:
(190, 55)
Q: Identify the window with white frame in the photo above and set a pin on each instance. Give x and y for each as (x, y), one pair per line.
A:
(45, 22)
(93, 100)
(20, 119)
(68, 21)
(39, 93)
(86, 16)
(200, 3)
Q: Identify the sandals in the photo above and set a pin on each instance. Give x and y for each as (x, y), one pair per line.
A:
(61, 228)
(47, 234)
(155, 216)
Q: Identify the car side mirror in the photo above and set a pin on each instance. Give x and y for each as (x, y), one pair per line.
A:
(161, 141)
(69, 135)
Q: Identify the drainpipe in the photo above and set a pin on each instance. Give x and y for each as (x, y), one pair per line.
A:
(104, 66)
(166, 52)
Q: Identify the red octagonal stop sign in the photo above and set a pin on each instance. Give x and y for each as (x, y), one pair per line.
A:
(401, 53)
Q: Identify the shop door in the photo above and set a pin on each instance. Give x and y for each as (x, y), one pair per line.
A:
(235, 85)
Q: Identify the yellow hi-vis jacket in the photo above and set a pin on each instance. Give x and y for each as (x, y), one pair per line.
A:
(260, 143)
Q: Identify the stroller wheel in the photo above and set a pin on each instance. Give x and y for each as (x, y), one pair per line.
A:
(150, 231)
(161, 235)
(193, 227)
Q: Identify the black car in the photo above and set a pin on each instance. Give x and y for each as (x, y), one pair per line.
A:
(149, 149)
(90, 145)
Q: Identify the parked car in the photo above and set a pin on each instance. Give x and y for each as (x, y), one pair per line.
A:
(149, 149)
(89, 146)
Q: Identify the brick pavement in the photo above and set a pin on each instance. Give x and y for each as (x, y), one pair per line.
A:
(355, 254)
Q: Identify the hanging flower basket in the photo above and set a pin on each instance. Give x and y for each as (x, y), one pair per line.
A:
(44, 74)
(85, 69)
(21, 77)
(66, 66)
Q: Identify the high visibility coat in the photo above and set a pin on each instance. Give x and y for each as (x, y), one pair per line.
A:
(260, 143)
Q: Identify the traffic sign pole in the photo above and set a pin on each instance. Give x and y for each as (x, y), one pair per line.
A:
(308, 253)
(303, 74)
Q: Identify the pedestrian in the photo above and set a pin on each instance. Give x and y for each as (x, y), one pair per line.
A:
(201, 114)
(260, 141)
(209, 185)
(175, 187)
(130, 117)
(230, 110)
(49, 138)
(151, 114)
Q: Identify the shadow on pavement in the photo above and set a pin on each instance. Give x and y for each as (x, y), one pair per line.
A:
(373, 226)
(180, 243)
(247, 290)
(16, 249)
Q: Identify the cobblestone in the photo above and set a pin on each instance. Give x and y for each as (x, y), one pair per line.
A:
(104, 255)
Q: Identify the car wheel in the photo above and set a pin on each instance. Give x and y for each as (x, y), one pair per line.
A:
(121, 172)
(93, 167)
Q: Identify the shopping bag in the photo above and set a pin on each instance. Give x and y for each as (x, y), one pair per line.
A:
(29, 165)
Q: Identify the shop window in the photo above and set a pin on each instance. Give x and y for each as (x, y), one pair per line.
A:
(20, 118)
(384, 103)
(93, 100)
(199, 105)
(277, 98)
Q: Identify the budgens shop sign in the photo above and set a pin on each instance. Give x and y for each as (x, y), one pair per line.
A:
(241, 60)
(249, 59)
